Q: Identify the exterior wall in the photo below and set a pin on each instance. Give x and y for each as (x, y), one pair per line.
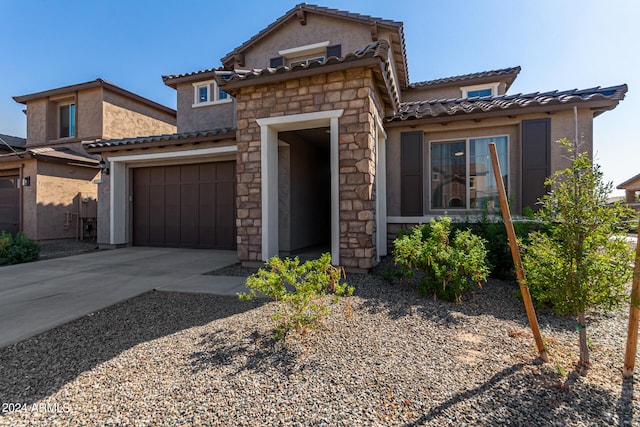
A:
(352, 36)
(36, 122)
(89, 109)
(59, 188)
(193, 119)
(123, 117)
(562, 126)
(351, 90)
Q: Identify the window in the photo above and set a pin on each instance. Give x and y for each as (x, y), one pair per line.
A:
(462, 175)
(489, 89)
(207, 93)
(67, 121)
(305, 54)
(305, 61)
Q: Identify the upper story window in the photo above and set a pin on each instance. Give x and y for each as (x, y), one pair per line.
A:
(462, 174)
(489, 89)
(67, 121)
(208, 93)
(305, 54)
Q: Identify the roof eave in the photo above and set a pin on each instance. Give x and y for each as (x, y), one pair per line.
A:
(229, 135)
(173, 82)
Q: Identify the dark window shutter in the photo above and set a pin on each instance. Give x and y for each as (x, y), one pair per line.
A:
(335, 50)
(536, 160)
(411, 179)
(276, 62)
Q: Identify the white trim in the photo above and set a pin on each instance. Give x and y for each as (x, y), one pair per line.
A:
(175, 154)
(381, 191)
(301, 50)
(269, 128)
(493, 86)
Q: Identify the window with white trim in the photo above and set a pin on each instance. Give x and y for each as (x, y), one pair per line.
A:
(462, 174)
(304, 54)
(488, 89)
(208, 93)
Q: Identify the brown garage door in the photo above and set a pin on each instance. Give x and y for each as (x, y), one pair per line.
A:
(185, 206)
(9, 204)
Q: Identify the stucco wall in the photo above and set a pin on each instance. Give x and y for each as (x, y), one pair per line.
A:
(127, 118)
(351, 35)
(36, 122)
(193, 119)
(562, 126)
(58, 187)
(89, 107)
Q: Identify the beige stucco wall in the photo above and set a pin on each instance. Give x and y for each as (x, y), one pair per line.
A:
(562, 125)
(192, 119)
(57, 187)
(89, 110)
(351, 35)
(36, 122)
(123, 117)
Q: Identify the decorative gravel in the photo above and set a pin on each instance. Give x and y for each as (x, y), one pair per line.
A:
(385, 356)
(50, 249)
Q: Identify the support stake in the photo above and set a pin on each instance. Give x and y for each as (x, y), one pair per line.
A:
(515, 253)
(634, 314)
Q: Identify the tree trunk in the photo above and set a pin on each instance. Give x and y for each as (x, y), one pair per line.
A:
(584, 362)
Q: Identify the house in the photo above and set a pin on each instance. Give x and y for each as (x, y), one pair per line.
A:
(49, 179)
(631, 189)
(311, 135)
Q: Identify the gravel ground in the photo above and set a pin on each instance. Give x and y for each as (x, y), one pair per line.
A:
(383, 357)
(65, 247)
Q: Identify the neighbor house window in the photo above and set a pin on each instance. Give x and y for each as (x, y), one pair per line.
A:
(489, 89)
(207, 93)
(67, 120)
(462, 175)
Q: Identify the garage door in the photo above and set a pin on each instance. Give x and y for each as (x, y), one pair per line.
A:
(185, 206)
(9, 204)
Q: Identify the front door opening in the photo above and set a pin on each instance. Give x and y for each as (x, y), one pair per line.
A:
(304, 192)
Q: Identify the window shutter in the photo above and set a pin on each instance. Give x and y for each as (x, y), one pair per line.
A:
(411, 179)
(276, 62)
(335, 50)
(536, 160)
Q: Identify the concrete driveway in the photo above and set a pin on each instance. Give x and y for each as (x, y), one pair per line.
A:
(38, 296)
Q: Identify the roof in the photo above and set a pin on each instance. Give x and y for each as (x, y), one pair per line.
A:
(13, 141)
(509, 73)
(159, 140)
(400, 57)
(23, 99)
(172, 80)
(628, 182)
(374, 55)
(462, 106)
(63, 153)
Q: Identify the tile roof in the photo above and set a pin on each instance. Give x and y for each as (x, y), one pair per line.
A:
(450, 107)
(173, 79)
(378, 52)
(13, 141)
(63, 153)
(627, 183)
(400, 54)
(169, 138)
(473, 76)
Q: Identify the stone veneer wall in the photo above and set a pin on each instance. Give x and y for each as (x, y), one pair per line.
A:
(352, 90)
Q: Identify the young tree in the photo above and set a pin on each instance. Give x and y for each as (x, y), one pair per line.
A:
(581, 265)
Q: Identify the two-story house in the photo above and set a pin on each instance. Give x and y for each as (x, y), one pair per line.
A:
(52, 179)
(310, 134)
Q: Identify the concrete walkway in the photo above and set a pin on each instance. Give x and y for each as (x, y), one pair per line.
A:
(38, 296)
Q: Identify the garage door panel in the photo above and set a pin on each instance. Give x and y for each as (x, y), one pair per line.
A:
(9, 204)
(187, 205)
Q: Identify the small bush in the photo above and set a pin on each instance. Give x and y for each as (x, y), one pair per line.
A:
(18, 250)
(450, 265)
(302, 289)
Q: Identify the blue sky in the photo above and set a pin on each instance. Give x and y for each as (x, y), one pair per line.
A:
(560, 44)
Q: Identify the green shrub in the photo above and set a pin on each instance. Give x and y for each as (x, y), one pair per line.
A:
(18, 250)
(301, 288)
(450, 265)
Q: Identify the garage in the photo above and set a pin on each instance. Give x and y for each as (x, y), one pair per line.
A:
(191, 206)
(9, 204)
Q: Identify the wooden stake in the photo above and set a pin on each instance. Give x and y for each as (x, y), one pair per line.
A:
(634, 315)
(515, 253)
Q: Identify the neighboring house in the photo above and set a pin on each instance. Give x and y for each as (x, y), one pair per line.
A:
(310, 134)
(631, 189)
(50, 177)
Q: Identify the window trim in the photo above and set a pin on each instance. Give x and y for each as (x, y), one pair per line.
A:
(72, 130)
(493, 86)
(212, 88)
(468, 175)
(305, 54)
